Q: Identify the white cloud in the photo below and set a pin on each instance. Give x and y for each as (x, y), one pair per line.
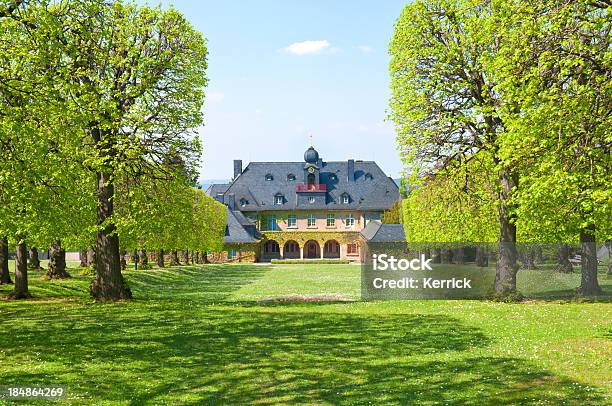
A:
(366, 49)
(308, 47)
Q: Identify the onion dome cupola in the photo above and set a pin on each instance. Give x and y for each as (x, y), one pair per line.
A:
(311, 168)
(311, 156)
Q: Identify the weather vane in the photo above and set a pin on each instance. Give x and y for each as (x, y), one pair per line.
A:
(310, 136)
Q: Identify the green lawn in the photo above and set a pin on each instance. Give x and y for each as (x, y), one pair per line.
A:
(206, 335)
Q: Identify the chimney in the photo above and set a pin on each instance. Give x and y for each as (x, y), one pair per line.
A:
(231, 201)
(237, 167)
(351, 170)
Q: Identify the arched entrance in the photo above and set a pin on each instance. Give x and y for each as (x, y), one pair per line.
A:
(291, 250)
(312, 250)
(331, 249)
(271, 250)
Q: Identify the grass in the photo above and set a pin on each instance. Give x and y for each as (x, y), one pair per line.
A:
(203, 335)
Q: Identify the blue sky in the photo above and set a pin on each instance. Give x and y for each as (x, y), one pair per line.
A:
(269, 89)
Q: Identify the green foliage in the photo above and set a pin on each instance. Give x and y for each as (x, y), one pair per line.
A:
(556, 79)
(119, 93)
(523, 87)
(393, 215)
(458, 204)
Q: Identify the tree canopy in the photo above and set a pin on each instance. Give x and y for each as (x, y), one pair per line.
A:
(100, 106)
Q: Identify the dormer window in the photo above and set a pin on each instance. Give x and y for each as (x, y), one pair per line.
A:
(369, 176)
(333, 177)
(345, 199)
(311, 199)
(243, 202)
(269, 177)
(291, 177)
(279, 199)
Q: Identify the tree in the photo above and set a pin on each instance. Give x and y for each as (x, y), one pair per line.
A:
(32, 130)
(557, 82)
(21, 290)
(393, 215)
(57, 262)
(136, 75)
(445, 106)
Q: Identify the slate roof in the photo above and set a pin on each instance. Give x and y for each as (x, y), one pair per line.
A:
(375, 192)
(235, 231)
(216, 189)
(375, 231)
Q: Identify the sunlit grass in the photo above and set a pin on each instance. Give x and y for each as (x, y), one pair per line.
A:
(202, 335)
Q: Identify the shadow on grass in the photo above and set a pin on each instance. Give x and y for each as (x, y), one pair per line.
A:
(174, 345)
(210, 283)
(190, 355)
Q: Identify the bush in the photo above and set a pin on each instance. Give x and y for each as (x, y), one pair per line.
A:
(89, 271)
(311, 261)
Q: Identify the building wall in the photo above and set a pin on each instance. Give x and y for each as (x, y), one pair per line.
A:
(304, 239)
(361, 218)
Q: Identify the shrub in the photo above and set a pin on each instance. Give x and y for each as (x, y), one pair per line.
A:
(89, 271)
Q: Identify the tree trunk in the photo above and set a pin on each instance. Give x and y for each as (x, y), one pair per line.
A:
(528, 258)
(174, 260)
(185, 255)
(160, 259)
(57, 262)
(459, 256)
(609, 245)
(109, 284)
(589, 285)
(91, 257)
(83, 258)
(563, 255)
(21, 273)
(437, 256)
(446, 256)
(122, 261)
(506, 267)
(482, 256)
(34, 260)
(5, 275)
(205, 259)
(198, 257)
(143, 259)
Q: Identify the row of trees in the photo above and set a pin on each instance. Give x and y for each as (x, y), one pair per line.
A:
(503, 111)
(99, 102)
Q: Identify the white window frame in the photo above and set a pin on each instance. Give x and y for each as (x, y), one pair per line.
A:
(312, 218)
(311, 199)
(345, 199)
(291, 223)
(278, 200)
(331, 220)
(231, 254)
(350, 220)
